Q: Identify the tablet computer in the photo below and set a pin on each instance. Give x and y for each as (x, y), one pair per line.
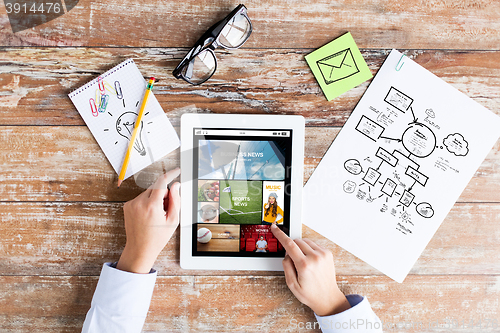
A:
(239, 174)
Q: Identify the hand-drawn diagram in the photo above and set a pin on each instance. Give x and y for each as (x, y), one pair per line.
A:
(337, 66)
(456, 144)
(349, 186)
(390, 176)
(353, 166)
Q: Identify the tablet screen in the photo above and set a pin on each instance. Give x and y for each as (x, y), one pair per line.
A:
(242, 184)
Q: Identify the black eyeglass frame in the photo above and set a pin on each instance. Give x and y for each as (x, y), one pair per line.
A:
(209, 42)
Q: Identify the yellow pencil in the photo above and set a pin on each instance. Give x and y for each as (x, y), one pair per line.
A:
(136, 130)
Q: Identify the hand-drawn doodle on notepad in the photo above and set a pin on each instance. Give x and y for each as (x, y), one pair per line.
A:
(126, 121)
(337, 66)
(125, 85)
(398, 172)
(125, 126)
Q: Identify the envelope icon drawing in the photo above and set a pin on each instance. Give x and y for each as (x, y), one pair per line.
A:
(337, 66)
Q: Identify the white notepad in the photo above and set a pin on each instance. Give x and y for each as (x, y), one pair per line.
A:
(109, 105)
(397, 167)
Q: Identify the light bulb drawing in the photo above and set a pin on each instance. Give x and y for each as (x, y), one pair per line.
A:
(106, 96)
(125, 126)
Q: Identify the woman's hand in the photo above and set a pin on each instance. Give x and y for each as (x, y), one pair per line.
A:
(150, 221)
(310, 275)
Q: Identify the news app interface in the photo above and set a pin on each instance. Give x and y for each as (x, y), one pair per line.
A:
(242, 184)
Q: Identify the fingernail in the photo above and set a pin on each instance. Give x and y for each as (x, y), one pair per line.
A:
(273, 226)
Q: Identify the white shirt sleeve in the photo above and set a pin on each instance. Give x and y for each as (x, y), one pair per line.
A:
(121, 301)
(359, 318)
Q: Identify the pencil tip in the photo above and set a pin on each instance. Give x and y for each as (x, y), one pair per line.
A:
(119, 183)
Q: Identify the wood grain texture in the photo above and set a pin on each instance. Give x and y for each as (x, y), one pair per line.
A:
(62, 238)
(414, 24)
(251, 304)
(64, 163)
(61, 214)
(34, 83)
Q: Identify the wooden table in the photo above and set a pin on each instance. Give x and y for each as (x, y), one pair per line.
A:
(61, 213)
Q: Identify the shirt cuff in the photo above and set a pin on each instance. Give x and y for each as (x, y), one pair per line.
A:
(134, 291)
(359, 318)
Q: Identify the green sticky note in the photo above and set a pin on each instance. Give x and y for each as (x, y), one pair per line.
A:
(338, 66)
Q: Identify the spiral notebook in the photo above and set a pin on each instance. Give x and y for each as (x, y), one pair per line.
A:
(109, 105)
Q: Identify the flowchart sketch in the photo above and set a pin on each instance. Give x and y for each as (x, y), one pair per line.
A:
(407, 198)
(418, 176)
(371, 176)
(398, 165)
(386, 157)
(389, 187)
(369, 128)
(398, 99)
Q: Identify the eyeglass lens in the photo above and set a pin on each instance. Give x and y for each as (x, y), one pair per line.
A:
(200, 68)
(235, 32)
(233, 35)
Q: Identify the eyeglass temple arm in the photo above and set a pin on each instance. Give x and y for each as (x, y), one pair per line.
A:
(186, 60)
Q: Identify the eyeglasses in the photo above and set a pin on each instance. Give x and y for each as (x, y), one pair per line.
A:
(200, 63)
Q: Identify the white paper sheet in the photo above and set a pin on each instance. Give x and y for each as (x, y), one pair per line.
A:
(398, 165)
(109, 105)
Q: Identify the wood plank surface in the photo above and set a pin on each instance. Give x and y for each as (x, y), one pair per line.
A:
(254, 304)
(414, 24)
(64, 163)
(61, 215)
(63, 238)
(34, 83)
